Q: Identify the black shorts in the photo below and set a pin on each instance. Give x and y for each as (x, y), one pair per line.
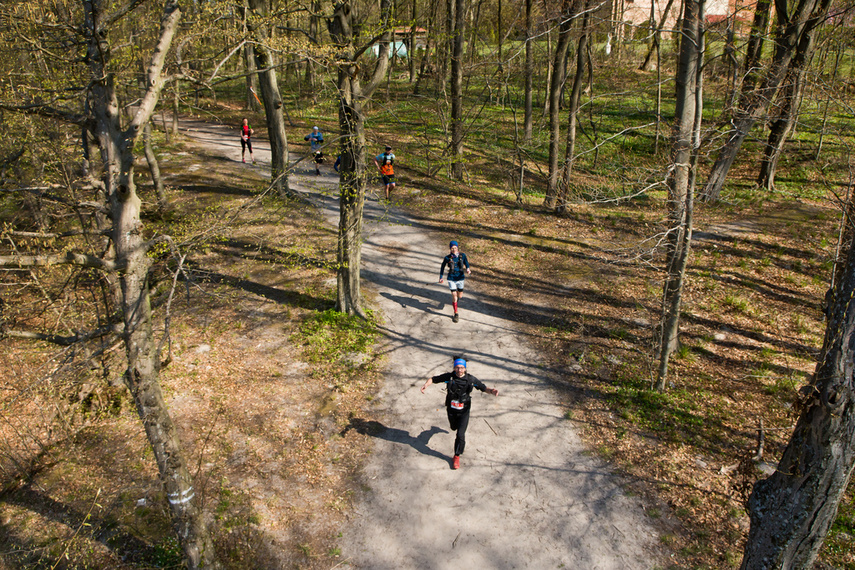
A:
(319, 157)
(388, 178)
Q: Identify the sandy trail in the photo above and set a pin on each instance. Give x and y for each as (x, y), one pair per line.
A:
(527, 494)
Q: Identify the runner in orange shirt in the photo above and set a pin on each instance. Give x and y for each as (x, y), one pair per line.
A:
(385, 164)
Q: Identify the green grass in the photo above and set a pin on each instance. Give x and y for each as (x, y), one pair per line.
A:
(328, 336)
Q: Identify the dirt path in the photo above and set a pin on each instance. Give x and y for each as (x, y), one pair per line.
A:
(527, 494)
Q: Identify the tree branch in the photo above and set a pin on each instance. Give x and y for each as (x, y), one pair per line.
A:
(80, 336)
(168, 27)
(68, 258)
(44, 110)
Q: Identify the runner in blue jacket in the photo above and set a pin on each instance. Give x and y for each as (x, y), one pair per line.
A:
(458, 269)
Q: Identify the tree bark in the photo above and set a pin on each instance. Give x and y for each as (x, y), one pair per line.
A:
(680, 192)
(555, 88)
(142, 374)
(270, 96)
(792, 511)
(457, 90)
(352, 175)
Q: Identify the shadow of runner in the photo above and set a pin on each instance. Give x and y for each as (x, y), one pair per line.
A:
(376, 429)
(415, 303)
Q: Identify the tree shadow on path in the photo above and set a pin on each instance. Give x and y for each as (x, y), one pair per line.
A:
(395, 435)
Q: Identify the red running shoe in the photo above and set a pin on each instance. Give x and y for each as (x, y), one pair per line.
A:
(455, 463)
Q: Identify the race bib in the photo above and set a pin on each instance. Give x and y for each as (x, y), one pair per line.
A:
(455, 405)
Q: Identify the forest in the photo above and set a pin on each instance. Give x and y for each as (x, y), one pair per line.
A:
(656, 196)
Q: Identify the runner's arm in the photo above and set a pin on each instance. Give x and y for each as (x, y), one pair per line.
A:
(481, 386)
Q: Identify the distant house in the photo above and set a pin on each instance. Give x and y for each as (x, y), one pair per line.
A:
(400, 45)
(636, 13)
(403, 35)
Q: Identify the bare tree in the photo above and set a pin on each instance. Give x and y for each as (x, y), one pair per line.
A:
(787, 103)
(127, 260)
(314, 31)
(792, 33)
(575, 101)
(684, 144)
(457, 35)
(555, 89)
(656, 40)
(352, 175)
(529, 72)
(272, 99)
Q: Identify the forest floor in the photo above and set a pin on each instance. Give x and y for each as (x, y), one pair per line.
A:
(308, 457)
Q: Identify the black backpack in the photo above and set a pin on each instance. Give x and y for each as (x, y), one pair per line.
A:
(459, 388)
(457, 266)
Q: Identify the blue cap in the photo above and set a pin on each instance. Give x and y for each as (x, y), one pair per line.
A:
(460, 362)
(452, 244)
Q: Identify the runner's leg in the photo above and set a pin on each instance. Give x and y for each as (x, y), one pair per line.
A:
(462, 424)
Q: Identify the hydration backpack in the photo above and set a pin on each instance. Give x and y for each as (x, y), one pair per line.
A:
(456, 266)
(458, 388)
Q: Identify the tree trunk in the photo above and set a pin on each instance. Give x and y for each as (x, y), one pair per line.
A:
(153, 166)
(730, 59)
(792, 511)
(550, 65)
(314, 28)
(841, 49)
(529, 73)
(411, 60)
(754, 48)
(680, 191)
(575, 103)
(788, 103)
(352, 180)
(499, 35)
(657, 38)
(443, 50)
(270, 97)
(789, 100)
(457, 90)
(352, 176)
(142, 374)
(789, 36)
(251, 78)
(555, 89)
(175, 108)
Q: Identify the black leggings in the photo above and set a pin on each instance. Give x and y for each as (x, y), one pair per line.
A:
(459, 421)
(245, 144)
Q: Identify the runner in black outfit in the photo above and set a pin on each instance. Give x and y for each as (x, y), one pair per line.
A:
(458, 402)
